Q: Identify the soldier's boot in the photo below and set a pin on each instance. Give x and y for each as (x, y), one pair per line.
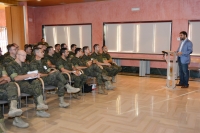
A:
(3, 128)
(41, 105)
(62, 103)
(100, 90)
(13, 111)
(71, 89)
(75, 96)
(18, 122)
(43, 114)
(107, 78)
(109, 86)
(114, 79)
(104, 89)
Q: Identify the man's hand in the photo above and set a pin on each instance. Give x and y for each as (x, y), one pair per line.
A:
(6, 78)
(179, 53)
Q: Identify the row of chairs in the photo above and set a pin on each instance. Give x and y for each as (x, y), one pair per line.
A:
(21, 95)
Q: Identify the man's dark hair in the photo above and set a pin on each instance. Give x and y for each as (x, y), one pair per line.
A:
(9, 46)
(184, 33)
(62, 45)
(84, 48)
(42, 39)
(35, 50)
(26, 46)
(73, 45)
(95, 45)
(77, 50)
(48, 49)
(62, 50)
(57, 45)
(103, 46)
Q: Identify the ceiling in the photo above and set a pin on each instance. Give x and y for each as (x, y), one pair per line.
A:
(46, 2)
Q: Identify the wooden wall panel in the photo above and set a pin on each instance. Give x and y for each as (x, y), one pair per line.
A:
(16, 25)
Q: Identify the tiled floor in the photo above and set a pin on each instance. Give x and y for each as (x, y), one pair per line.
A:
(137, 105)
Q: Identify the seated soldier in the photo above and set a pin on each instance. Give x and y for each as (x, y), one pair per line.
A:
(17, 70)
(87, 58)
(90, 69)
(9, 92)
(72, 52)
(49, 58)
(29, 54)
(65, 65)
(107, 58)
(7, 53)
(57, 51)
(111, 71)
(64, 45)
(53, 77)
(11, 56)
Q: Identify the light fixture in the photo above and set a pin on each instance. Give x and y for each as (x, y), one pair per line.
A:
(38, 0)
(1, 3)
(135, 9)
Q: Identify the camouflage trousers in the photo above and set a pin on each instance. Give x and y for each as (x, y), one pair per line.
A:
(79, 81)
(112, 70)
(32, 87)
(8, 92)
(58, 80)
(95, 71)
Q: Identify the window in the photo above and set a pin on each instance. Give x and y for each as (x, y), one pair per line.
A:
(3, 39)
(81, 35)
(147, 37)
(193, 35)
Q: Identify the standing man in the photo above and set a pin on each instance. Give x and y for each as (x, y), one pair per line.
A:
(43, 42)
(183, 53)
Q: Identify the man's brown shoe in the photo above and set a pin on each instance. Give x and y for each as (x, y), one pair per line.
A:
(184, 86)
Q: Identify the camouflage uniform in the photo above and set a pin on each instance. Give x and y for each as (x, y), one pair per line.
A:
(55, 79)
(111, 70)
(71, 55)
(106, 56)
(92, 70)
(6, 54)
(32, 87)
(56, 55)
(29, 58)
(66, 64)
(43, 43)
(8, 91)
(7, 60)
(52, 59)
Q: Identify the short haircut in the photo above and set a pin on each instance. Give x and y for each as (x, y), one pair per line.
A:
(77, 50)
(36, 49)
(62, 45)
(84, 48)
(57, 45)
(26, 46)
(95, 45)
(184, 33)
(103, 46)
(73, 45)
(42, 39)
(9, 46)
(48, 49)
(62, 50)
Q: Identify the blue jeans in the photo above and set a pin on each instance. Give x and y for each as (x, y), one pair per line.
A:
(183, 73)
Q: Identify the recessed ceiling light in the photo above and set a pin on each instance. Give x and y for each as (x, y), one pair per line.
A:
(1, 3)
(38, 0)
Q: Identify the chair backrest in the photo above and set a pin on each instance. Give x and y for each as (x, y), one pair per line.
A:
(195, 62)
